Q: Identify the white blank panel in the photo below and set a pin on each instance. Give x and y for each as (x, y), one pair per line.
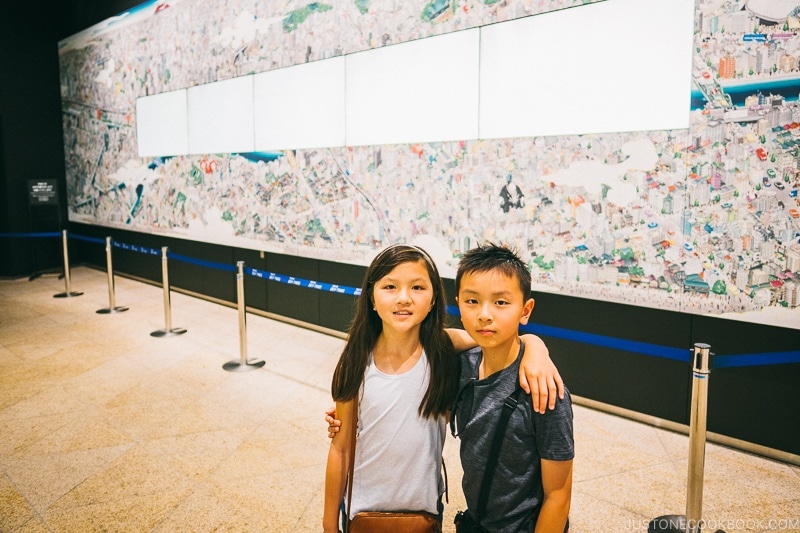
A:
(221, 116)
(300, 106)
(424, 90)
(161, 124)
(613, 66)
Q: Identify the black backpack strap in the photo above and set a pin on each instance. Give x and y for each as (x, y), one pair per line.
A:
(460, 394)
(509, 405)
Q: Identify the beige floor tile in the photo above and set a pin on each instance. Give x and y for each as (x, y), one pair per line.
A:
(15, 331)
(589, 514)
(91, 429)
(16, 311)
(47, 401)
(180, 415)
(273, 502)
(14, 391)
(34, 525)
(16, 435)
(725, 500)
(598, 458)
(783, 517)
(609, 428)
(14, 508)
(43, 479)
(311, 518)
(35, 348)
(138, 472)
(71, 360)
(199, 455)
(161, 353)
(780, 480)
(133, 514)
(675, 444)
(152, 388)
(259, 396)
(201, 511)
(8, 359)
(106, 381)
(202, 371)
(651, 491)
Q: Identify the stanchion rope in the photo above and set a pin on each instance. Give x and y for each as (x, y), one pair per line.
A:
(34, 235)
(84, 238)
(201, 262)
(135, 248)
(300, 282)
(756, 359)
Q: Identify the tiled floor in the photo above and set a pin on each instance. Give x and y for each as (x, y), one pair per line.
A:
(106, 428)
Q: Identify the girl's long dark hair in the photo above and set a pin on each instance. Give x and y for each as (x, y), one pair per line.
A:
(367, 326)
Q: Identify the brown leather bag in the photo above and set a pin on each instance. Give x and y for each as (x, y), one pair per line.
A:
(394, 522)
(384, 521)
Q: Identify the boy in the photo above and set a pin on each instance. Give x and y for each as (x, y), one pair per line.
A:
(532, 483)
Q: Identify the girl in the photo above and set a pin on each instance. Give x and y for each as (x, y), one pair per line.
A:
(401, 363)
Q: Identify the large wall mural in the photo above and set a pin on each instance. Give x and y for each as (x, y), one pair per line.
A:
(702, 220)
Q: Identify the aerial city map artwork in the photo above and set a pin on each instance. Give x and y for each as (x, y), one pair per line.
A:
(703, 220)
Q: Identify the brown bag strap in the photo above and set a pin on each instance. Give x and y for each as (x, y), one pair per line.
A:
(351, 466)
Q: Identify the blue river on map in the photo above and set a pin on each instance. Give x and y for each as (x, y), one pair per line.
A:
(789, 89)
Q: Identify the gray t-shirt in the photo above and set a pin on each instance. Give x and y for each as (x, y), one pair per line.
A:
(516, 492)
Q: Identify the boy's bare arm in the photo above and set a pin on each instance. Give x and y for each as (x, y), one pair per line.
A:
(557, 484)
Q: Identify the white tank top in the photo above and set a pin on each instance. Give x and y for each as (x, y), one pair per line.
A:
(398, 453)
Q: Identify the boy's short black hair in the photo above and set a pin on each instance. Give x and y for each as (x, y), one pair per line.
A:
(490, 256)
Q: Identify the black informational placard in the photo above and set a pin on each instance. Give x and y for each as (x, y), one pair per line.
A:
(42, 192)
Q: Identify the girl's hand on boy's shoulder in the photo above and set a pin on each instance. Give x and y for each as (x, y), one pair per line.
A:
(333, 424)
(539, 376)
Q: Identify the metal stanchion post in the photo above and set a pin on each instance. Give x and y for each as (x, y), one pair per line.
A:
(243, 365)
(692, 522)
(112, 308)
(697, 436)
(168, 330)
(68, 292)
